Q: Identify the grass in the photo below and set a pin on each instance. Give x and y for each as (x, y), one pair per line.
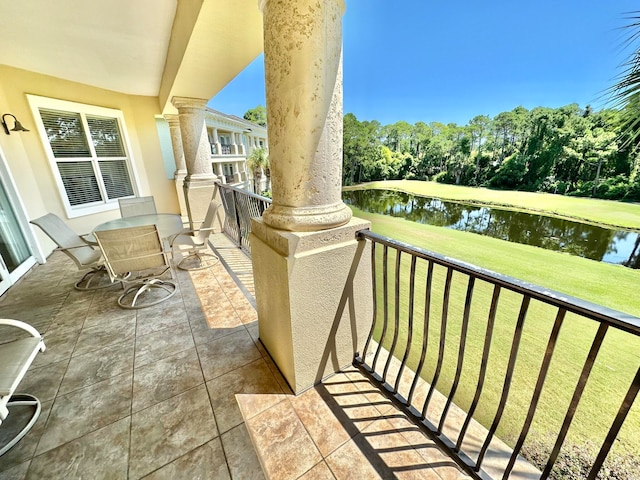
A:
(601, 212)
(604, 284)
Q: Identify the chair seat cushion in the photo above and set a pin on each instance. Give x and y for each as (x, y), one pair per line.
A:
(14, 356)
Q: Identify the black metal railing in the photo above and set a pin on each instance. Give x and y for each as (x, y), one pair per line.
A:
(487, 359)
(240, 206)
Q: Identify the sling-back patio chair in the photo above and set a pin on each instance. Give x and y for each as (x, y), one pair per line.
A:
(199, 255)
(135, 257)
(15, 358)
(130, 207)
(79, 248)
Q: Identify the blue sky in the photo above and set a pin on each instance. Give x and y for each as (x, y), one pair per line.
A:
(420, 60)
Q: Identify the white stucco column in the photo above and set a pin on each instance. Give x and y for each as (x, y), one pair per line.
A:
(178, 156)
(216, 141)
(234, 145)
(200, 180)
(303, 74)
(312, 277)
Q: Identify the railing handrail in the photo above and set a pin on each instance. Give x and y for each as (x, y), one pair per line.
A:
(248, 193)
(389, 319)
(615, 318)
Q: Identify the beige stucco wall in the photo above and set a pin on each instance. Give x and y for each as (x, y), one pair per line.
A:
(28, 162)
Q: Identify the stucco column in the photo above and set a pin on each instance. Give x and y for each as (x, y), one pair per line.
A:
(303, 74)
(200, 180)
(312, 277)
(216, 141)
(178, 156)
(234, 145)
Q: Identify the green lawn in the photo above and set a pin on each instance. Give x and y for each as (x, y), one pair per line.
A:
(609, 285)
(604, 212)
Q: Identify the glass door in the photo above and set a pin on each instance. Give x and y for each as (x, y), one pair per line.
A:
(15, 253)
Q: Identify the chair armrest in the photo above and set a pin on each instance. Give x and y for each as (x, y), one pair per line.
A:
(18, 324)
(89, 239)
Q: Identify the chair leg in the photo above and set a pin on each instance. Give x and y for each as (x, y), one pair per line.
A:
(203, 260)
(85, 283)
(22, 399)
(141, 288)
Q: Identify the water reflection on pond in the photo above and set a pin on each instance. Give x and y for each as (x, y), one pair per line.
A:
(581, 239)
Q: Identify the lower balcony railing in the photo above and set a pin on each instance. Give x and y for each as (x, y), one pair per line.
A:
(521, 360)
(240, 206)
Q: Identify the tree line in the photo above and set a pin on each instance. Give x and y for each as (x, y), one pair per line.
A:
(566, 150)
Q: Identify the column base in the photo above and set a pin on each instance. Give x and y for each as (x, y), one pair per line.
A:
(307, 219)
(179, 179)
(313, 292)
(198, 193)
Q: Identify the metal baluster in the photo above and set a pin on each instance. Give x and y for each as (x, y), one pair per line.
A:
(396, 316)
(483, 366)
(515, 345)
(463, 342)
(385, 304)
(537, 391)
(425, 331)
(375, 300)
(407, 351)
(577, 394)
(616, 425)
(443, 333)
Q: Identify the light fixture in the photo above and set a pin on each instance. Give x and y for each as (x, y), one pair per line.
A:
(17, 127)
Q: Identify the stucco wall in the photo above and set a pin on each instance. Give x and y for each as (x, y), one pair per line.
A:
(28, 162)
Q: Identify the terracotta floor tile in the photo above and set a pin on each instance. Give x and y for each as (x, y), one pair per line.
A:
(166, 431)
(169, 376)
(283, 445)
(320, 472)
(323, 424)
(85, 410)
(241, 456)
(244, 392)
(226, 354)
(103, 453)
(204, 462)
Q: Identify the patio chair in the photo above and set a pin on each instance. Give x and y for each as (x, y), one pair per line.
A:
(79, 248)
(134, 256)
(15, 358)
(130, 207)
(199, 255)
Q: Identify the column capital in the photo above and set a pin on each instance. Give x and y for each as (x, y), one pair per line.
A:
(263, 3)
(172, 119)
(188, 102)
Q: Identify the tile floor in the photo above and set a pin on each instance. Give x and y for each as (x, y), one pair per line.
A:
(186, 390)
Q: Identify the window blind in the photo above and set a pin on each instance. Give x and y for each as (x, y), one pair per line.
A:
(79, 182)
(65, 133)
(115, 176)
(106, 136)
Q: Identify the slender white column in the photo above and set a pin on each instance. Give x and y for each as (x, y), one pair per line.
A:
(234, 145)
(176, 143)
(303, 73)
(200, 180)
(216, 141)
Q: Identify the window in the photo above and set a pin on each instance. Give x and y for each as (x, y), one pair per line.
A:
(88, 150)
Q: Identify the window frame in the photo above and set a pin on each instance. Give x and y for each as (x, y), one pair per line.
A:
(36, 103)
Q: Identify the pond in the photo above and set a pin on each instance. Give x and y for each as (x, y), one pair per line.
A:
(576, 238)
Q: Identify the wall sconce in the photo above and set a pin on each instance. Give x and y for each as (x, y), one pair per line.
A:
(17, 127)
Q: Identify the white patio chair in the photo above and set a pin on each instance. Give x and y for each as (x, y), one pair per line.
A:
(134, 256)
(130, 207)
(80, 249)
(15, 358)
(199, 255)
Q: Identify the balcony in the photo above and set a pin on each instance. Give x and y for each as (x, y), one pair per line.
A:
(186, 389)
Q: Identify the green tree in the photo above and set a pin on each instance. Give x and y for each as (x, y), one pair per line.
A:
(257, 115)
(258, 162)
